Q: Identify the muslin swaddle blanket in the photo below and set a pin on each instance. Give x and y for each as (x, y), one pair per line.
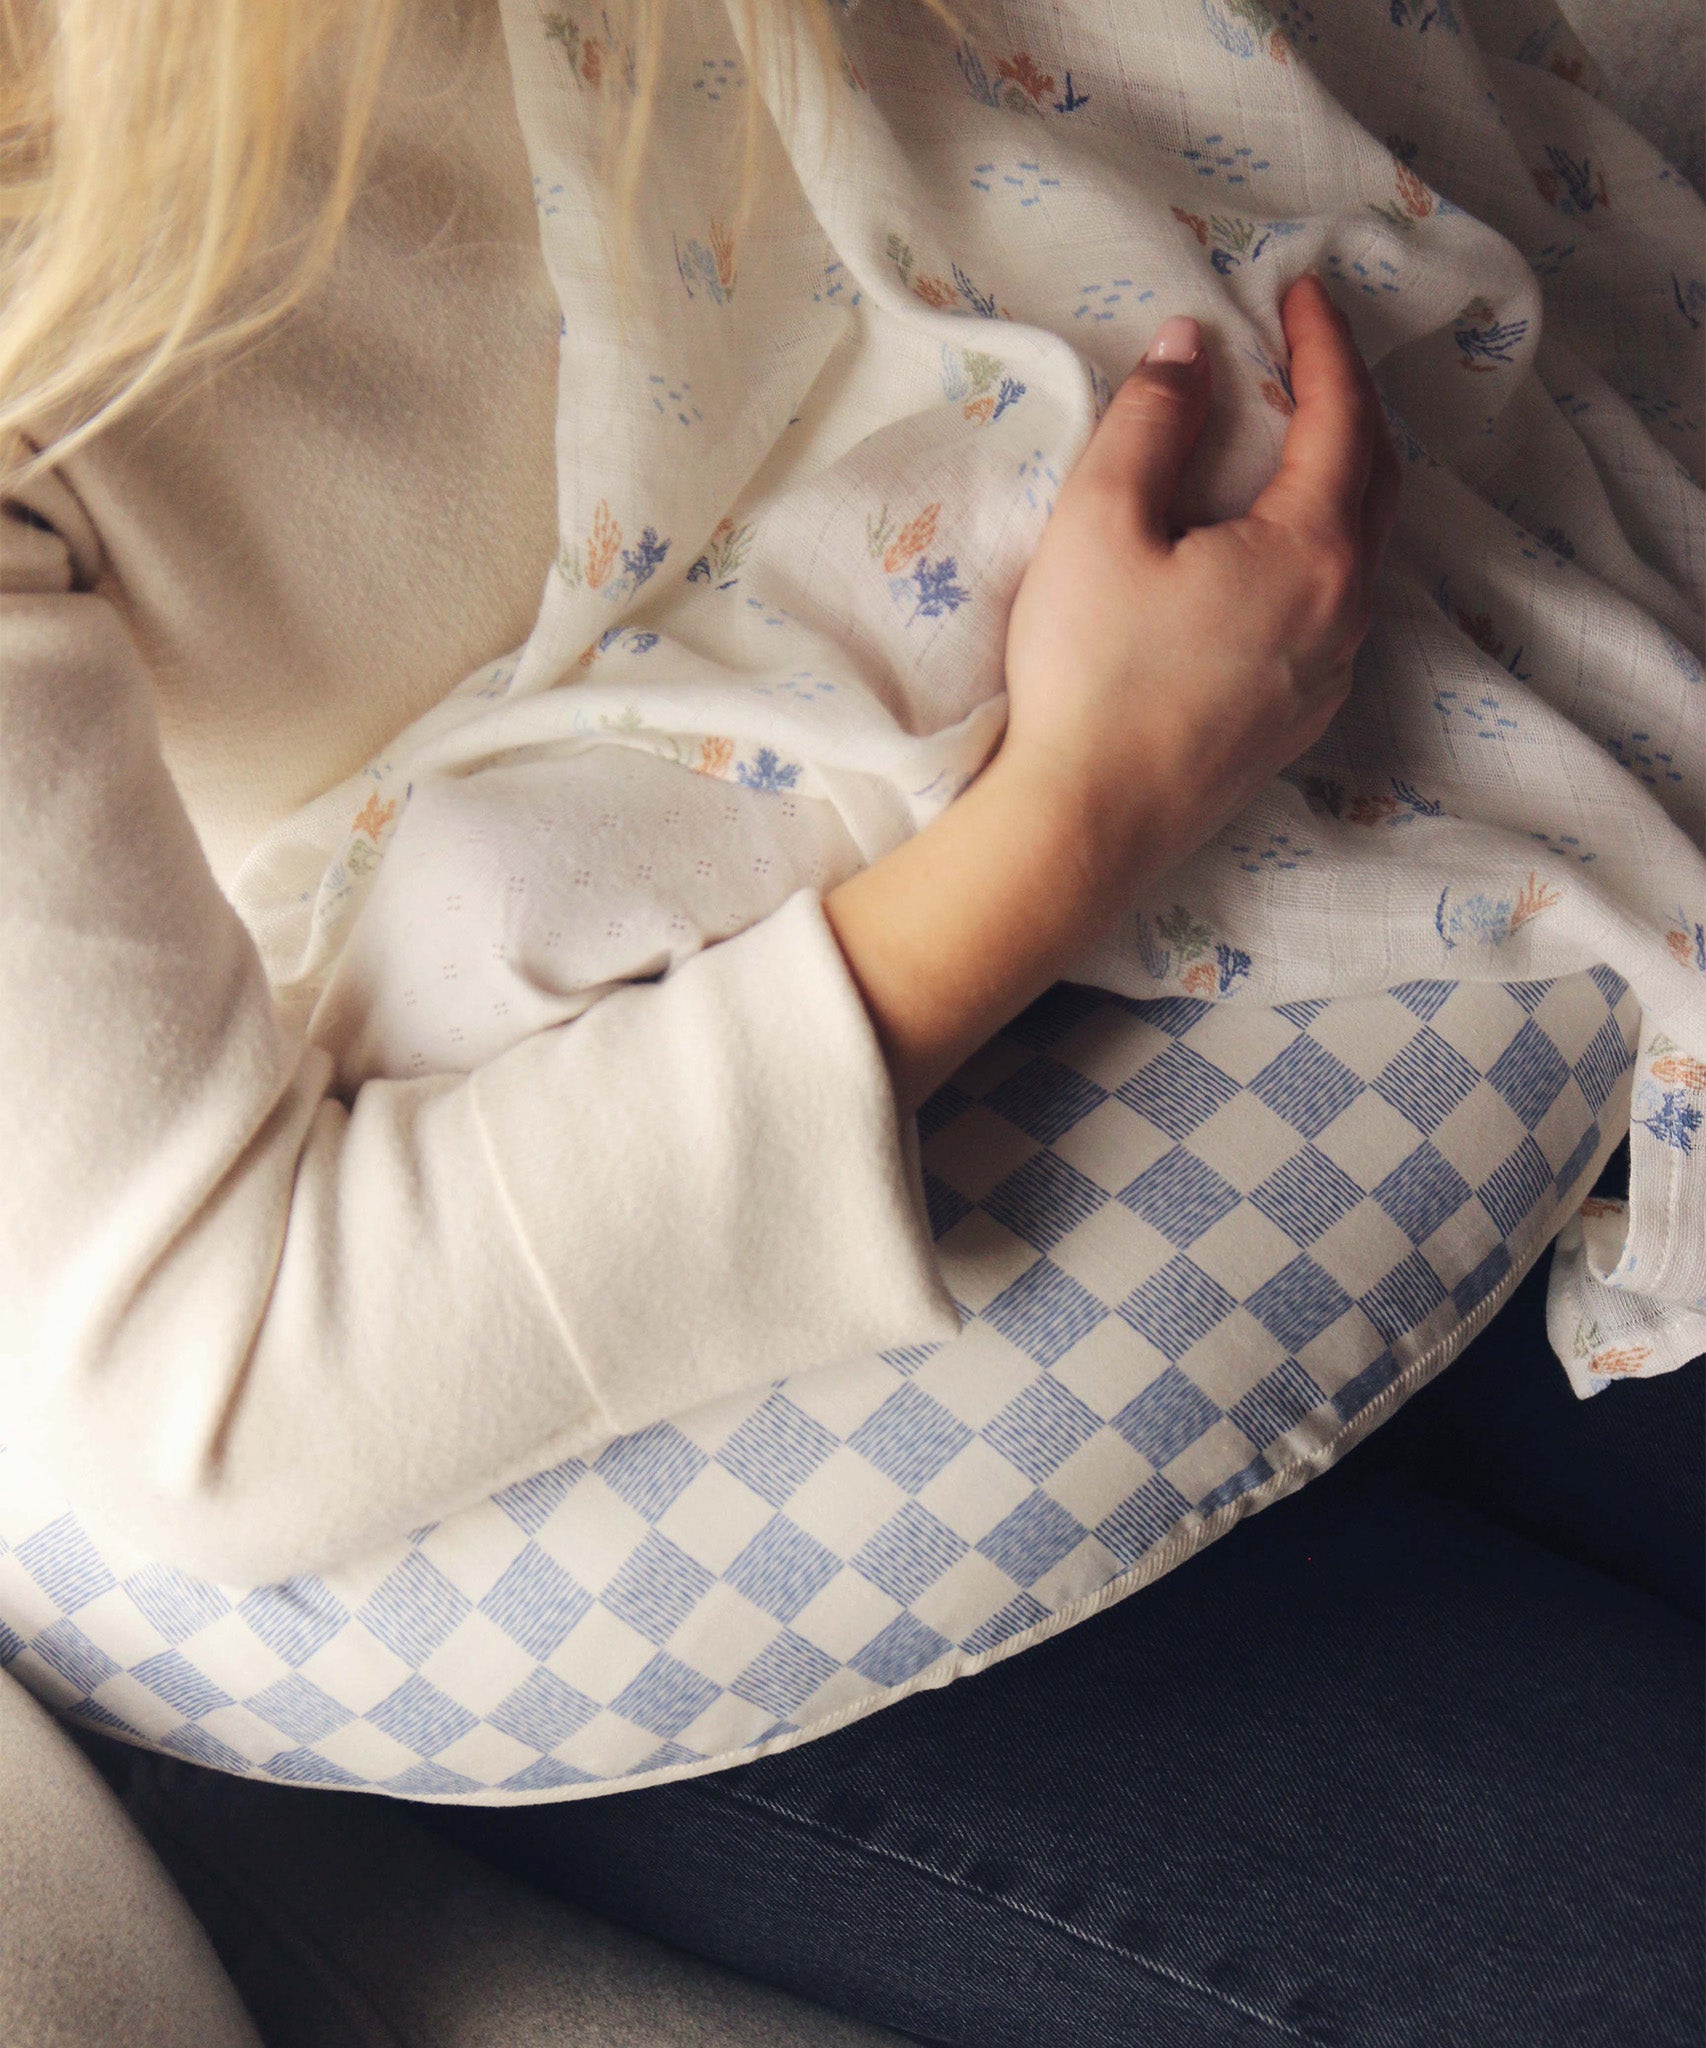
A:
(797, 496)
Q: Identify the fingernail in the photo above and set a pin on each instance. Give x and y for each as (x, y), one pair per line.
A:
(1177, 340)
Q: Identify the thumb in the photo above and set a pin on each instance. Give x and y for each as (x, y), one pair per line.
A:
(1145, 437)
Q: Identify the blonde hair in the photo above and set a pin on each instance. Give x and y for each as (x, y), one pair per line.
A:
(144, 148)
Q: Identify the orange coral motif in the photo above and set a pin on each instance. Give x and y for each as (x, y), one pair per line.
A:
(723, 248)
(1197, 225)
(1548, 184)
(1025, 73)
(1619, 1359)
(1533, 900)
(1418, 201)
(715, 754)
(1370, 810)
(1679, 1068)
(1278, 48)
(1198, 980)
(1596, 1205)
(592, 62)
(912, 539)
(601, 549)
(977, 410)
(1681, 947)
(374, 816)
(1275, 395)
(934, 292)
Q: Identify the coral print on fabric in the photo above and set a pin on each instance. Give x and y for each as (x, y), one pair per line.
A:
(928, 588)
(724, 553)
(979, 384)
(1484, 920)
(589, 47)
(1246, 29)
(595, 567)
(1487, 345)
(937, 291)
(1628, 1292)
(886, 386)
(709, 269)
(1176, 946)
(1231, 241)
(1414, 201)
(1668, 1103)
(1017, 83)
(1292, 1128)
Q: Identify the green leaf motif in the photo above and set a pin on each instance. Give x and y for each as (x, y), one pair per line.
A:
(983, 370)
(1187, 935)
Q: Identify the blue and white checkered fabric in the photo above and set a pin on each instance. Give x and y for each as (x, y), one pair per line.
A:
(1200, 1248)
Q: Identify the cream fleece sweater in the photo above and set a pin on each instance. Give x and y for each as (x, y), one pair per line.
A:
(247, 1323)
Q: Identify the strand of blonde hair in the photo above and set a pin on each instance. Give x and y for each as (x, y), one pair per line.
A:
(144, 151)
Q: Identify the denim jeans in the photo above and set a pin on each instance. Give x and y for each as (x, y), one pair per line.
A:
(1411, 1759)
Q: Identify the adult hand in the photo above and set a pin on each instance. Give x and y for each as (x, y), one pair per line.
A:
(1156, 679)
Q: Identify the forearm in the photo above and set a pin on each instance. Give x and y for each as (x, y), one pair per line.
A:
(256, 1330)
(952, 934)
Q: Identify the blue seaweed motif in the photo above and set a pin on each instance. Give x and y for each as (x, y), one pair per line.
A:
(1010, 394)
(1415, 14)
(1577, 188)
(638, 643)
(1549, 261)
(1231, 963)
(1415, 803)
(980, 302)
(1157, 959)
(1475, 920)
(767, 772)
(1237, 39)
(937, 590)
(1670, 1117)
(1494, 343)
(971, 69)
(641, 561)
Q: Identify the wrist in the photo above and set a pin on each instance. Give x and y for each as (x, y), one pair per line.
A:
(953, 933)
(1099, 849)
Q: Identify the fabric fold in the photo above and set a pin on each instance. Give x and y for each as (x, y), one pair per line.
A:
(799, 483)
(256, 1327)
(761, 1157)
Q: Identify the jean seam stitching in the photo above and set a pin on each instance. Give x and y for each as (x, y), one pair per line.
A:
(707, 1789)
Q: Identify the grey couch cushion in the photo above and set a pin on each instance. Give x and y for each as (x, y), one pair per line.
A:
(346, 1924)
(96, 1944)
(202, 1911)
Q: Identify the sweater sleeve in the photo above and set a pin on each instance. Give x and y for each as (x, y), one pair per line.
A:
(257, 1329)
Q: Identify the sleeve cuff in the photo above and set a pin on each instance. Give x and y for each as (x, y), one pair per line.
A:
(711, 1178)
